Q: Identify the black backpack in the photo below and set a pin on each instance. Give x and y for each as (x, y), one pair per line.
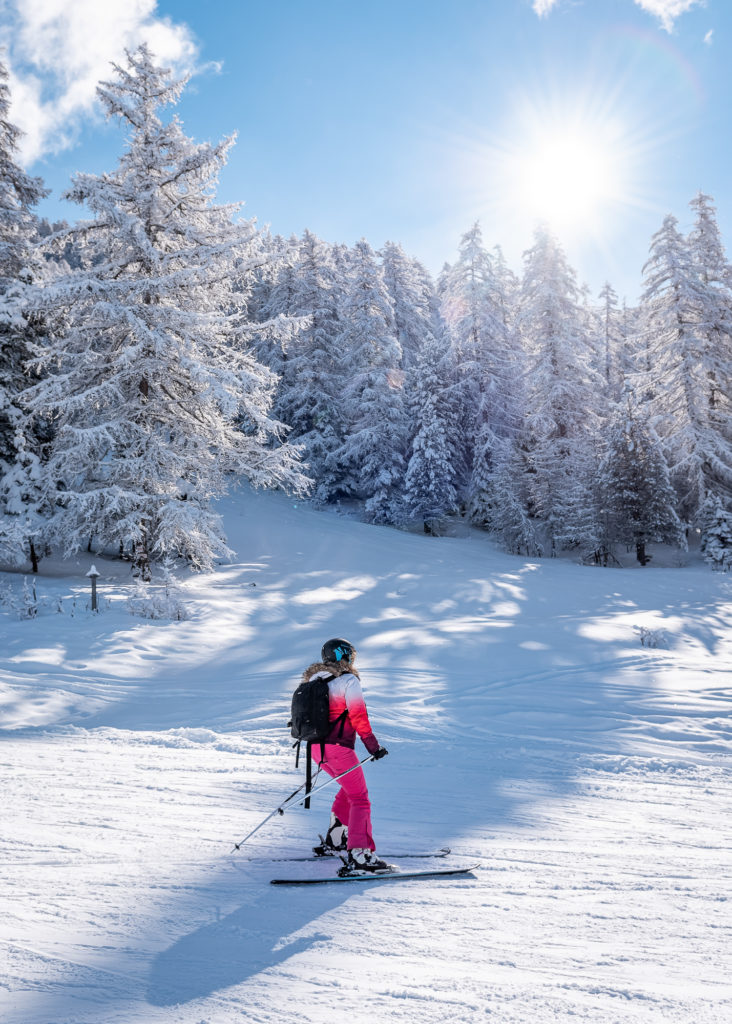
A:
(310, 721)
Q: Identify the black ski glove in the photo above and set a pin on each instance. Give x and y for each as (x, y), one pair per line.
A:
(381, 752)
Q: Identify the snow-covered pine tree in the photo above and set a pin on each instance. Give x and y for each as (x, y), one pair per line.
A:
(431, 381)
(612, 342)
(632, 352)
(501, 401)
(500, 497)
(466, 299)
(430, 493)
(499, 493)
(505, 286)
(715, 332)
(275, 284)
(467, 308)
(476, 304)
(634, 492)
(68, 253)
(562, 395)
(508, 500)
(716, 530)
(342, 262)
(706, 248)
(410, 291)
(276, 250)
(675, 303)
(20, 440)
(370, 463)
(157, 404)
(310, 400)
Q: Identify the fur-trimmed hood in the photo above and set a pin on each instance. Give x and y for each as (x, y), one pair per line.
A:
(333, 668)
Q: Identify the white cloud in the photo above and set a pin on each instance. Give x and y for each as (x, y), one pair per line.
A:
(543, 7)
(668, 10)
(58, 51)
(709, 37)
(665, 10)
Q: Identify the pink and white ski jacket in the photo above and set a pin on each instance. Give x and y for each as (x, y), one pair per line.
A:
(345, 695)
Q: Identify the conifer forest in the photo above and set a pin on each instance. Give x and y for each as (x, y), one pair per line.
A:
(163, 347)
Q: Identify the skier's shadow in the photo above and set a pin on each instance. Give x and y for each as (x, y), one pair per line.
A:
(234, 948)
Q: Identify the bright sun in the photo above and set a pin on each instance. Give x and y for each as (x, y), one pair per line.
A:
(567, 179)
(574, 165)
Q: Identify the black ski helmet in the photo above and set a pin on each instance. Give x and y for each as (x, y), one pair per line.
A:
(337, 650)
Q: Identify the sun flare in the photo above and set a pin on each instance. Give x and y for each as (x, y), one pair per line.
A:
(577, 164)
(568, 179)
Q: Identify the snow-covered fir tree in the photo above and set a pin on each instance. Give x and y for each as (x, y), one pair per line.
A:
(464, 288)
(501, 402)
(562, 395)
(505, 286)
(157, 402)
(715, 332)
(276, 285)
(465, 293)
(310, 400)
(275, 250)
(612, 342)
(342, 262)
(67, 253)
(630, 335)
(508, 500)
(370, 463)
(21, 499)
(706, 247)
(634, 492)
(499, 492)
(431, 381)
(474, 307)
(683, 372)
(716, 530)
(430, 493)
(410, 291)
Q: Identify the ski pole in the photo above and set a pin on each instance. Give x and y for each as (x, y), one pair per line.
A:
(277, 810)
(281, 808)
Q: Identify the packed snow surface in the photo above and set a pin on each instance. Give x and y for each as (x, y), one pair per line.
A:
(528, 728)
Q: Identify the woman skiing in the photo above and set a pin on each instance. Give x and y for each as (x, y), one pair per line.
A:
(350, 821)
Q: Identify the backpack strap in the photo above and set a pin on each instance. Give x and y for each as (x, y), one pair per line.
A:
(342, 719)
(308, 775)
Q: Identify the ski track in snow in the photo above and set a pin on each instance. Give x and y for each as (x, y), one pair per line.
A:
(527, 728)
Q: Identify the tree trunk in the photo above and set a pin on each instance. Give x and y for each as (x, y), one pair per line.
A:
(33, 557)
(141, 557)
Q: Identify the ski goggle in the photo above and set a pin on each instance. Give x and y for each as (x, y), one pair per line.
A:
(344, 652)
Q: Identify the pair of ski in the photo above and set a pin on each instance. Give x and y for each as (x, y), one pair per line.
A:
(392, 873)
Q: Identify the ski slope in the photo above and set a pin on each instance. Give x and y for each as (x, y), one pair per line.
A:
(528, 729)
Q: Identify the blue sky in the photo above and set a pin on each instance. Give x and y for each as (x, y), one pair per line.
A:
(409, 119)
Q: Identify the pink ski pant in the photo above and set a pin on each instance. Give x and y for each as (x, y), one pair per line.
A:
(351, 805)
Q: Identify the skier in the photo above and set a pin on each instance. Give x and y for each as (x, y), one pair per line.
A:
(350, 820)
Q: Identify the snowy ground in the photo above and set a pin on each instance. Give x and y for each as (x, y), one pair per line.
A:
(527, 727)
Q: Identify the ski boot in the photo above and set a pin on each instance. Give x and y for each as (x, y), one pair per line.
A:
(335, 840)
(360, 860)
